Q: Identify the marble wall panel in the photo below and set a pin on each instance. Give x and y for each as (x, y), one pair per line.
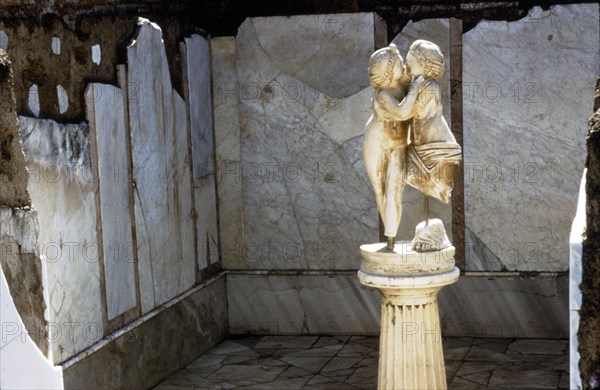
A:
(106, 113)
(184, 226)
(475, 306)
(156, 124)
(63, 189)
(307, 200)
(300, 304)
(329, 53)
(198, 76)
(526, 100)
(225, 91)
(506, 306)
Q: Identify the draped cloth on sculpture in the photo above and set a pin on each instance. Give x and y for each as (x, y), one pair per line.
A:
(431, 168)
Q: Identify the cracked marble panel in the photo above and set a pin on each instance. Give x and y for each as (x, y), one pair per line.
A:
(198, 67)
(227, 143)
(307, 200)
(63, 189)
(526, 101)
(295, 305)
(338, 60)
(158, 129)
(106, 113)
(506, 306)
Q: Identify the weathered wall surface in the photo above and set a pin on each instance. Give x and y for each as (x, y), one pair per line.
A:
(13, 177)
(64, 193)
(526, 100)
(23, 268)
(303, 101)
(126, 207)
(19, 250)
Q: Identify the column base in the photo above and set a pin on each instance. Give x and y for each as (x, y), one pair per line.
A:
(411, 354)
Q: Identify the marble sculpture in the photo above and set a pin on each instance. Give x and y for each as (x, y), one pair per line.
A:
(407, 139)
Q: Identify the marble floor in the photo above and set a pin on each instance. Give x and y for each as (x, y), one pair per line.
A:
(306, 362)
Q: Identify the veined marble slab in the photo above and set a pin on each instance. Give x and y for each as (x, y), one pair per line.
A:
(198, 68)
(155, 118)
(227, 147)
(475, 306)
(63, 190)
(295, 304)
(106, 113)
(182, 177)
(525, 129)
(307, 199)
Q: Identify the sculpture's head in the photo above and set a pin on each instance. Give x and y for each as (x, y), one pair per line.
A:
(425, 58)
(386, 67)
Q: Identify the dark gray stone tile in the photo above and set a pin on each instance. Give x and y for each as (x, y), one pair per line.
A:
(340, 363)
(539, 347)
(260, 373)
(286, 342)
(313, 364)
(524, 379)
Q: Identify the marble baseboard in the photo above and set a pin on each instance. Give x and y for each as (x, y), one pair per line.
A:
(147, 351)
(484, 305)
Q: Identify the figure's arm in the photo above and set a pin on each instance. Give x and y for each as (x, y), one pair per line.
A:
(405, 109)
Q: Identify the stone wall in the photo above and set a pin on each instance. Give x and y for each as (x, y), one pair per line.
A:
(526, 100)
(126, 197)
(523, 151)
(13, 177)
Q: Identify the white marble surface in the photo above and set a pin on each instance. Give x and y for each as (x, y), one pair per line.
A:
(33, 100)
(3, 40)
(524, 149)
(575, 274)
(310, 48)
(307, 200)
(437, 31)
(63, 190)
(96, 54)
(198, 65)
(156, 118)
(62, 97)
(55, 45)
(108, 131)
(182, 178)
(22, 365)
(208, 233)
(227, 150)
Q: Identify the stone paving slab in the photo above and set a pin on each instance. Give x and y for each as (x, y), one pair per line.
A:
(332, 362)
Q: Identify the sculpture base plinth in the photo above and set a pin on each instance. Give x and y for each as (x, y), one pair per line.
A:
(410, 355)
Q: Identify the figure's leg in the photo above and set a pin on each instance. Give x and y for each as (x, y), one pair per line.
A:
(395, 181)
(376, 163)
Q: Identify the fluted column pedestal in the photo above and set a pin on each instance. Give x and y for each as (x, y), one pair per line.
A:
(411, 355)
